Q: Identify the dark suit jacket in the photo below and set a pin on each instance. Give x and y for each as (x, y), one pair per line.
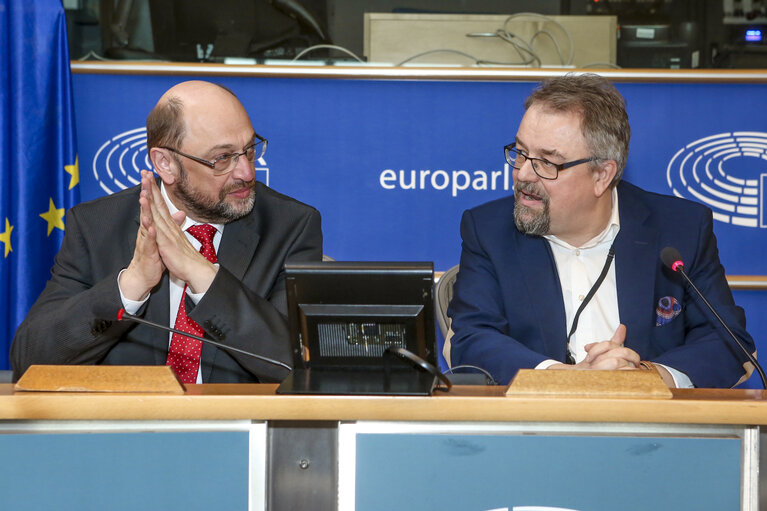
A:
(508, 312)
(73, 320)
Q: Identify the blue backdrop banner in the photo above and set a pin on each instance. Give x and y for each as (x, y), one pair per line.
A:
(392, 164)
(38, 156)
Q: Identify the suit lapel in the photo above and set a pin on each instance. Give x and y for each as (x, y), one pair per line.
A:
(238, 244)
(544, 291)
(636, 255)
(235, 253)
(158, 310)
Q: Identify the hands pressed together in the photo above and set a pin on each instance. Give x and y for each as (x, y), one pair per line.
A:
(606, 355)
(161, 244)
(612, 355)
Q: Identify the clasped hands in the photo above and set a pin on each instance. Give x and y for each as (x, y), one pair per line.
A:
(611, 355)
(161, 244)
(607, 355)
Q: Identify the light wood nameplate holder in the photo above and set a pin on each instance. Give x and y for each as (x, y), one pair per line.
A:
(100, 378)
(583, 383)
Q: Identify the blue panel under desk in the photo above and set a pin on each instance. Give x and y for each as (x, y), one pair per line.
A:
(584, 473)
(124, 471)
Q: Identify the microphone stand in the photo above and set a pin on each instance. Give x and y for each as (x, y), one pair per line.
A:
(123, 316)
(679, 268)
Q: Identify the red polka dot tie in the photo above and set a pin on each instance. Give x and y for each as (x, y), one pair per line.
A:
(184, 353)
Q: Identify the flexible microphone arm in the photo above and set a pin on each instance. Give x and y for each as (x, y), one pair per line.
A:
(673, 259)
(423, 364)
(123, 316)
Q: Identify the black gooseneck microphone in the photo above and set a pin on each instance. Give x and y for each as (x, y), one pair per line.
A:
(673, 259)
(124, 316)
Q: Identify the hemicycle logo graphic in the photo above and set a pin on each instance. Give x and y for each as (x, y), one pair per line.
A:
(726, 172)
(118, 162)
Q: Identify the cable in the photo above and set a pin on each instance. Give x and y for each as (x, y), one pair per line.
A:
(523, 48)
(477, 61)
(553, 40)
(94, 55)
(490, 379)
(441, 50)
(569, 60)
(601, 64)
(326, 46)
(520, 46)
(423, 364)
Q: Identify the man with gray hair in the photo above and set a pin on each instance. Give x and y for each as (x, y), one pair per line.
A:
(566, 274)
(201, 248)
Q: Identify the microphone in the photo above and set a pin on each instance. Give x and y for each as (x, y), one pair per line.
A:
(673, 259)
(123, 316)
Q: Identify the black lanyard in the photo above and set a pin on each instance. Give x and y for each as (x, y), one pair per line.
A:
(589, 296)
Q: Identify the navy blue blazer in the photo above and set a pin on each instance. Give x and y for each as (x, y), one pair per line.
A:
(507, 310)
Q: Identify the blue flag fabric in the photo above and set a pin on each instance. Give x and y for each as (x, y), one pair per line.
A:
(39, 172)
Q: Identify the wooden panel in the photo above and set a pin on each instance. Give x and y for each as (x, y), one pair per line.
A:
(100, 378)
(258, 402)
(392, 38)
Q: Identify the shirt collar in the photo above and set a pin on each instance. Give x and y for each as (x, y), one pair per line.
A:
(188, 222)
(606, 236)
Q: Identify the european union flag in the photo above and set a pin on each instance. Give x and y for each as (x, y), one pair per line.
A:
(38, 159)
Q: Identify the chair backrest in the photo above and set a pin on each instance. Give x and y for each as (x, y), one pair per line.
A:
(443, 293)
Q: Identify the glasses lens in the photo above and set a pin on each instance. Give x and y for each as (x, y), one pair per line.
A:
(514, 158)
(224, 163)
(546, 169)
(259, 149)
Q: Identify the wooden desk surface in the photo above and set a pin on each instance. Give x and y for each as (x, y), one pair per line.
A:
(487, 404)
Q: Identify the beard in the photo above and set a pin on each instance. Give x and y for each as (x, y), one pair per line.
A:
(203, 208)
(529, 220)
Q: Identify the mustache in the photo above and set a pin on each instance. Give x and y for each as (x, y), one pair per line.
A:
(530, 189)
(237, 185)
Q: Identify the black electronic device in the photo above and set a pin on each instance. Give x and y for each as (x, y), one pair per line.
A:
(205, 31)
(354, 326)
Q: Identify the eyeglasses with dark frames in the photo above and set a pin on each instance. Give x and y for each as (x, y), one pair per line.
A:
(226, 162)
(542, 168)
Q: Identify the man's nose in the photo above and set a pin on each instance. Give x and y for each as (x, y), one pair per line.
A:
(526, 171)
(244, 169)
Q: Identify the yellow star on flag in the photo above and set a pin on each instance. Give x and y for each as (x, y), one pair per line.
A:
(54, 216)
(74, 171)
(5, 237)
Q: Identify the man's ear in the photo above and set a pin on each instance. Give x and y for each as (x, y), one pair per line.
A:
(163, 163)
(604, 174)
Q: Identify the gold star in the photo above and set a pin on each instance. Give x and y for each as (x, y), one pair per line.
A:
(54, 216)
(74, 171)
(5, 237)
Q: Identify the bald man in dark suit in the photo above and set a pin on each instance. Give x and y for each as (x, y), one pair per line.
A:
(135, 250)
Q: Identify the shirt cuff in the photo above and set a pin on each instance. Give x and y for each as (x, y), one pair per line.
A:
(196, 297)
(546, 364)
(681, 380)
(130, 306)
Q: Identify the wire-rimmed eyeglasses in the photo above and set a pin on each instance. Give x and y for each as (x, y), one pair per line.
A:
(543, 168)
(226, 162)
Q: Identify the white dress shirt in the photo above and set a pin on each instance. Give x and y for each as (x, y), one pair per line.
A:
(176, 288)
(579, 268)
